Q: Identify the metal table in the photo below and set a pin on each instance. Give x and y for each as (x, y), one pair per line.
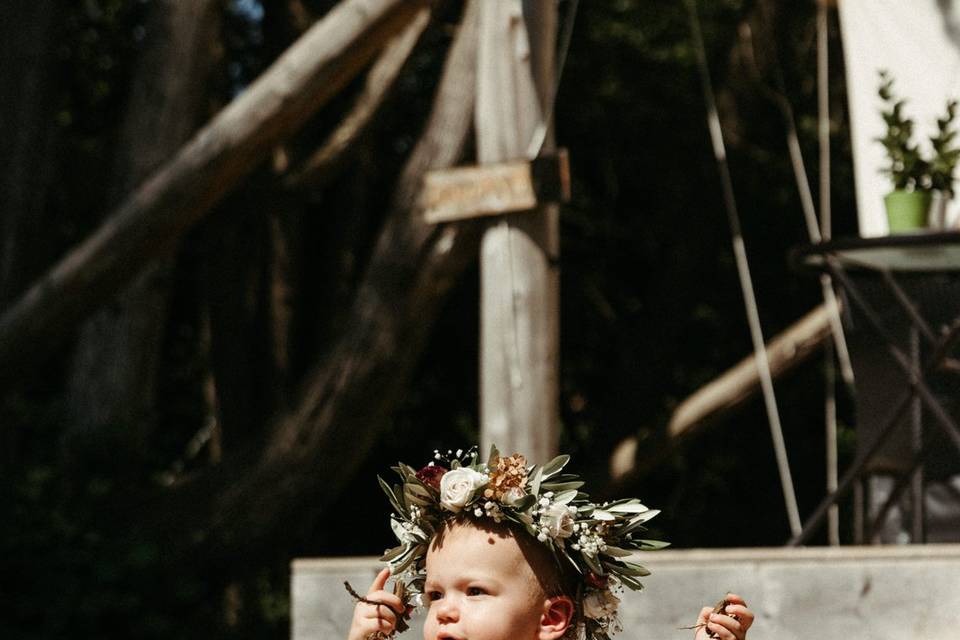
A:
(902, 314)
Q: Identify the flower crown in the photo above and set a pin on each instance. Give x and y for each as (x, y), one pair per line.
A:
(593, 539)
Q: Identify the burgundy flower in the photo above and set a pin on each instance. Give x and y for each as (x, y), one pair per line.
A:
(430, 476)
(600, 582)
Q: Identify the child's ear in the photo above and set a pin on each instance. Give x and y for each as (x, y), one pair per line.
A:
(557, 617)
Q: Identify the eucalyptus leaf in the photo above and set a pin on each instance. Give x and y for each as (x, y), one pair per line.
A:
(413, 499)
(392, 497)
(555, 465)
(418, 489)
(561, 486)
(633, 569)
(535, 481)
(630, 582)
(629, 507)
(593, 564)
(653, 544)
(525, 502)
(392, 554)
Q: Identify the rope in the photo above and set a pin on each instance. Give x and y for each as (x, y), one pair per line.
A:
(533, 150)
(830, 388)
(779, 98)
(540, 133)
(743, 271)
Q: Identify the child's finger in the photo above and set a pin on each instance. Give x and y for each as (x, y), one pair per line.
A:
(380, 581)
(743, 613)
(379, 613)
(726, 627)
(392, 601)
(716, 630)
(368, 626)
(701, 626)
(704, 614)
(733, 598)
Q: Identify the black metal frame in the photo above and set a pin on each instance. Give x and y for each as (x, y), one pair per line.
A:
(825, 257)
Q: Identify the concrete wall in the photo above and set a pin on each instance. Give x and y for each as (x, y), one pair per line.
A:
(844, 593)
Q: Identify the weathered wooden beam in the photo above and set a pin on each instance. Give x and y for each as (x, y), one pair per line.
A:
(495, 189)
(726, 393)
(519, 280)
(380, 79)
(172, 200)
(741, 382)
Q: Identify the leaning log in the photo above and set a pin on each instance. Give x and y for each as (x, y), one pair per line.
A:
(738, 384)
(172, 200)
(717, 399)
(320, 166)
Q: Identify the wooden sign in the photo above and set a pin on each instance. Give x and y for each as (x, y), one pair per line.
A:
(495, 189)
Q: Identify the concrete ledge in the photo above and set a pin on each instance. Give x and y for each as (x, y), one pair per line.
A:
(840, 593)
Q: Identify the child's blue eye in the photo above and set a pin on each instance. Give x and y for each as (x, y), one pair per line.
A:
(475, 591)
(434, 595)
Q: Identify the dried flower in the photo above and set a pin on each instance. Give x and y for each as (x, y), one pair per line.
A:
(599, 582)
(600, 604)
(507, 477)
(430, 475)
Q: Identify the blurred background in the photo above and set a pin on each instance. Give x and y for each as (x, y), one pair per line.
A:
(166, 456)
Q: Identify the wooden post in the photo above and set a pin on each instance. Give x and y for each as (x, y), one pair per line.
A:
(519, 325)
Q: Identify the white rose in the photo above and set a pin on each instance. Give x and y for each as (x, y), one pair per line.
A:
(600, 604)
(458, 486)
(559, 521)
(513, 495)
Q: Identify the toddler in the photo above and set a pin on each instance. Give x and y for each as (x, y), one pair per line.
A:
(503, 551)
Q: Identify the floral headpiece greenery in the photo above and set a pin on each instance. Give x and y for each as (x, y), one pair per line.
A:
(594, 539)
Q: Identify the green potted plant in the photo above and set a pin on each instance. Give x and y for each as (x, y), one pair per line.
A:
(916, 179)
(945, 157)
(909, 202)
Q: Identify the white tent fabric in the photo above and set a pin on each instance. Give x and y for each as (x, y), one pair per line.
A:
(918, 42)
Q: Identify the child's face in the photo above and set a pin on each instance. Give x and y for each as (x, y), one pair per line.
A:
(481, 587)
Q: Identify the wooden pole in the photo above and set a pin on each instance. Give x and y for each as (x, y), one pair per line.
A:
(519, 283)
(182, 191)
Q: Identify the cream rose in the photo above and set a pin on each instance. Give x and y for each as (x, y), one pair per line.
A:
(600, 604)
(558, 520)
(513, 495)
(458, 486)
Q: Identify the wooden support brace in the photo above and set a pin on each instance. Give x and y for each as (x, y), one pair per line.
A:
(495, 189)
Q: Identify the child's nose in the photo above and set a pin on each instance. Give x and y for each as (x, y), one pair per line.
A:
(448, 610)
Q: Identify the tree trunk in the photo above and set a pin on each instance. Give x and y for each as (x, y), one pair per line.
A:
(315, 449)
(177, 195)
(27, 130)
(112, 382)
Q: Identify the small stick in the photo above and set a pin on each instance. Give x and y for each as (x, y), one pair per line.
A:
(401, 616)
(719, 608)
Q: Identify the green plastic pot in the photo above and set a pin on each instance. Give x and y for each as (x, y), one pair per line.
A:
(907, 210)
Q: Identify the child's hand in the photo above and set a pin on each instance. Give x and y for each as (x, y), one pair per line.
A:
(368, 619)
(723, 625)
